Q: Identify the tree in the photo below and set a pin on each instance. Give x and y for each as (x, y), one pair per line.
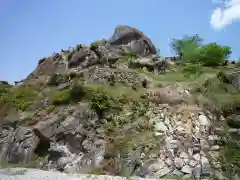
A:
(186, 45)
(213, 54)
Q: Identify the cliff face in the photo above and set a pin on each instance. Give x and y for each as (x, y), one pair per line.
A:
(116, 108)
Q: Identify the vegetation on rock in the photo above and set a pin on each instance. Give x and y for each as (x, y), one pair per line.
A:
(128, 111)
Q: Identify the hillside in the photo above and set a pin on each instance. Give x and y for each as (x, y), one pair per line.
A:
(117, 108)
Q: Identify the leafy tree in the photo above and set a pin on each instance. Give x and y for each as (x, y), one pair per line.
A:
(213, 54)
(186, 45)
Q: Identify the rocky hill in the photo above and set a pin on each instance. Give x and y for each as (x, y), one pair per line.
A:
(117, 108)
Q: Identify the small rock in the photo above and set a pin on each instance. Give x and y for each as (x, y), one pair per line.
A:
(164, 171)
(197, 171)
(158, 134)
(176, 173)
(167, 121)
(205, 165)
(197, 157)
(169, 162)
(215, 148)
(178, 162)
(183, 155)
(160, 126)
(190, 151)
(203, 120)
(157, 166)
(204, 144)
(186, 169)
(193, 163)
(233, 130)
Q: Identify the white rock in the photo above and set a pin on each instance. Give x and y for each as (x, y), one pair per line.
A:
(197, 157)
(167, 121)
(197, 171)
(205, 165)
(204, 144)
(178, 162)
(215, 148)
(203, 120)
(190, 151)
(158, 134)
(186, 169)
(184, 155)
(193, 163)
(164, 171)
(157, 166)
(233, 130)
(169, 162)
(160, 126)
(176, 173)
(186, 160)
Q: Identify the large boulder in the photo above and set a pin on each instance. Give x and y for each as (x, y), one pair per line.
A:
(132, 40)
(83, 56)
(17, 145)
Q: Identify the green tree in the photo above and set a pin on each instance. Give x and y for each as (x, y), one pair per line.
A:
(187, 45)
(213, 54)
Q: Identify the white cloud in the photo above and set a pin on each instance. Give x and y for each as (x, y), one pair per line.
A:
(222, 17)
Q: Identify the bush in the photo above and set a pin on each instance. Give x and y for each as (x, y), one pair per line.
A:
(100, 102)
(213, 54)
(75, 94)
(61, 97)
(19, 97)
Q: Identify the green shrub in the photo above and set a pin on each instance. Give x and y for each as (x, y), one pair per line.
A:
(19, 97)
(93, 46)
(100, 102)
(61, 97)
(213, 54)
(75, 94)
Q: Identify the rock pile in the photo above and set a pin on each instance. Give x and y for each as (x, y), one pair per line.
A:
(190, 147)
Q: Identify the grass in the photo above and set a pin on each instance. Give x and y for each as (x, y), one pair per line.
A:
(21, 98)
(117, 91)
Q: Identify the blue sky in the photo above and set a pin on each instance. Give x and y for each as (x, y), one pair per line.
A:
(30, 30)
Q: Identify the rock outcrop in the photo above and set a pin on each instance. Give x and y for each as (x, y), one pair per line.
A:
(90, 109)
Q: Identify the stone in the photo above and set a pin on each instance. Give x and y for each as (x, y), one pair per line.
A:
(177, 173)
(164, 171)
(132, 40)
(203, 120)
(186, 169)
(204, 144)
(233, 130)
(215, 148)
(160, 126)
(205, 165)
(197, 171)
(193, 163)
(167, 121)
(197, 157)
(184, 155)
(169, 162)
(178, 162)
(158, 165)
(212, 139)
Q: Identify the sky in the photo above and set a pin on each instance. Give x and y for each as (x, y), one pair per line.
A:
(32, 29)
